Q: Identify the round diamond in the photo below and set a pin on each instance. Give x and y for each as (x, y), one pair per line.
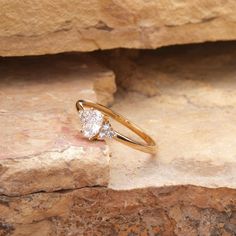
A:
(91, 121)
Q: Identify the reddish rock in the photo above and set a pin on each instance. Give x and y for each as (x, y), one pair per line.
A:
(183, 210)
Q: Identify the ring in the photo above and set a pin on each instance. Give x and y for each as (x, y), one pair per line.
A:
(95, 125)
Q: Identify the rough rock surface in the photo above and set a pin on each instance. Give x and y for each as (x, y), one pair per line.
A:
(164, 211)
(185, 98)
(51, 26)
(40, 145)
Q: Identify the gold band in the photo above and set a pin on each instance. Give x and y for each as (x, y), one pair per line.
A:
(148, 147)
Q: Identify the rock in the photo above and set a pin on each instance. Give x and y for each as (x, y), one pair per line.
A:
(182, 210)
(35, 28)
(41, 148)
(190, 112)
(187, 189)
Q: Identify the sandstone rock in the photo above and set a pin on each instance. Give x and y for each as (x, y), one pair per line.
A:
(33, 27)
(40, 145)
(192, 117)
(186, 101)
(100, 211)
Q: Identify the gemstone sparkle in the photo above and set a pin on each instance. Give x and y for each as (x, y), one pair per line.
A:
(106, 131)
(91, 121)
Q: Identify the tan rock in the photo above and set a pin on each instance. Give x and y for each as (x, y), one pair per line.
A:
(192, 118)
(40, 145)
(32, 27)
(190, 111)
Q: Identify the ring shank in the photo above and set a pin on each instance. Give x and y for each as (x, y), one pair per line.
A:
(149, 147)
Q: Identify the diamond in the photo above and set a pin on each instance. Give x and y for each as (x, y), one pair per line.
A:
(106, 131)
(91, 121)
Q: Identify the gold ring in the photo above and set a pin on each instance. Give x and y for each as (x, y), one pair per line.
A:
(95, 125)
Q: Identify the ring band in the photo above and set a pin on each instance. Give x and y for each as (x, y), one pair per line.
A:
(95, 125)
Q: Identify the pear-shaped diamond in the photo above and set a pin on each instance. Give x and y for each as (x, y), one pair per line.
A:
(91, 121)
(106, 131)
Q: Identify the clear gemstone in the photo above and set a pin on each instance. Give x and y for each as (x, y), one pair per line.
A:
(91, 121)
(106, 131)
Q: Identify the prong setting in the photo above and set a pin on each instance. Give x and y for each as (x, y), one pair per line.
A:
(95, 125)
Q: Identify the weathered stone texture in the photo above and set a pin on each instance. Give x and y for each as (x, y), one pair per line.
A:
(100, 211)
(51, 26)
(185, 98)
(41, 148)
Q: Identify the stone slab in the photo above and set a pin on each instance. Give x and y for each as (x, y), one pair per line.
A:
(51, 26)
(41, 148)
(185, 99)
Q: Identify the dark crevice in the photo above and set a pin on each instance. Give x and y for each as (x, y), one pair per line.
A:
(4, 201)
